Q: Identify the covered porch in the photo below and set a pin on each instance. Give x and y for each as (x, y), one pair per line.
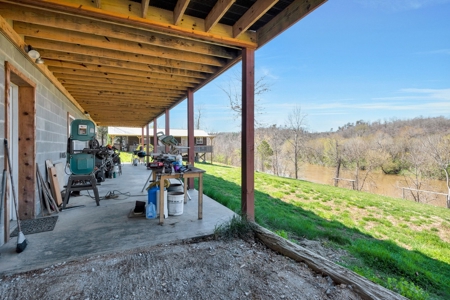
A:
(91, 230)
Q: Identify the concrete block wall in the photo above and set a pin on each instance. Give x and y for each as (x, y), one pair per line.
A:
(52, 108)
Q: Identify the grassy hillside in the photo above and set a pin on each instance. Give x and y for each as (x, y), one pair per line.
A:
(399, 244)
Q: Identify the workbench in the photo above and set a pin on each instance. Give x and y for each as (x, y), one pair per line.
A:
(192, 173)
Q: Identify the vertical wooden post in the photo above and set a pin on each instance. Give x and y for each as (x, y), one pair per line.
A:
(142, 139)
(190, 121)
(167, 130)
(248, 134)
(148, 145)
(155, 137)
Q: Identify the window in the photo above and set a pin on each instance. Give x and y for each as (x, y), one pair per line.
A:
(199, 141)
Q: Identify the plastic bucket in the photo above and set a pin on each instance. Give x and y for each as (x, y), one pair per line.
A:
(176, 187)
(175, 203)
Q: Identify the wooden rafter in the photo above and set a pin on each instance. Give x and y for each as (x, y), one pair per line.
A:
(71, 37)
(129, 13)
(95, 27)
(98, 3)
(74, 49)
(251, 16)
(219, 9)
(99, 71)
(294, 12)
(179, 10)
(144, 5)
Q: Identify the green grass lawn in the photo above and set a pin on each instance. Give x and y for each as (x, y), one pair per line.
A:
(402, 245)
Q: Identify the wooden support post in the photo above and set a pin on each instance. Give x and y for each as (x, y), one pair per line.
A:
(190, 118)
(155, 137)
(167, 131)
(148, 146)
(248, 134)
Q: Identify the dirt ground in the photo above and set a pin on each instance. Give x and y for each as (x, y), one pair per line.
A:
(198, 269)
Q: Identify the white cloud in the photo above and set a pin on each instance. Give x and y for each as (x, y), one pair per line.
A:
(400, 5)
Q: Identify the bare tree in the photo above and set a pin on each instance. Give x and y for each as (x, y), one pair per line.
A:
(234, 94)
(439, 149)
(102, 132)
(198, 116)
(296, 136)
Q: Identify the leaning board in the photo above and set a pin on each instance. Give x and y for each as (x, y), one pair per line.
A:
(54, 185)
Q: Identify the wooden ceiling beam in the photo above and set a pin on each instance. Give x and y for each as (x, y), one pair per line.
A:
(40, 44)
(62, 21)
(112, 44)
(144, 8)
(95, 70)
(216, 13)
(129, 14)
(73, 85)
(285, 19)
(128, 81)
(97, 63)
(59, 72)
(121, 93)
(258, 9)
(179, 10)
(87, 99)
(98, 3)
(122, 102)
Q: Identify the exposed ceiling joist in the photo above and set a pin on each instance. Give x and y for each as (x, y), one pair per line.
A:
(219, 9)
(179, 10)
(99, 71)
(251, 16)
(74, 49)
(144, 6)
(98, 28)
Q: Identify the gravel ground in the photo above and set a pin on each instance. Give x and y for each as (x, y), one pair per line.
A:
(199, 269)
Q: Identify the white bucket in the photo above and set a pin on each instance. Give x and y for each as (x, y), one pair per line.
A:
(175, 201)
(176, 187)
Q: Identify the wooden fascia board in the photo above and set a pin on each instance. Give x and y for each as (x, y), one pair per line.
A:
(179, 10)
(289, 16)
(157, 19)
(89, 40)
(19, 43)
(76, 49)
(144, 8)
(252, 15)
(85, 25)
(216, 13)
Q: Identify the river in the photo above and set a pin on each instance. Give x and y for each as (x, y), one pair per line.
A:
(377, 183)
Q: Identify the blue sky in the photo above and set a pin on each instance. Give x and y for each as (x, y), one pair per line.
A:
(348, 60)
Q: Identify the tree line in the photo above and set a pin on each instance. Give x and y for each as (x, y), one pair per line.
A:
(417, 149)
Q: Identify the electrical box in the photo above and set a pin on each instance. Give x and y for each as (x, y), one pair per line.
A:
(82, 130)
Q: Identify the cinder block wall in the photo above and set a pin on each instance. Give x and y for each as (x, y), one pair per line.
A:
(52, 109)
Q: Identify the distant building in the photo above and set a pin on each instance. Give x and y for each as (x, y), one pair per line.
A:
(129, 138)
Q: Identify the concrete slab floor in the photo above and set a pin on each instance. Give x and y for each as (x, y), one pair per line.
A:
(92, 230)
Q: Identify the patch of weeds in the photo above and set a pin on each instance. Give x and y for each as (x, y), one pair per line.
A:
(282, 233)
(300, 196)
(293, 191)
(236, 227)
(278, 195)
(434, 229)
(407, 289)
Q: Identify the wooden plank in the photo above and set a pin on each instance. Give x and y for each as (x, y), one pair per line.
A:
(145, 4)
(190, 139)
(129, 13)
(288, 17)
(110, 43)
(124, 94)
(256, 11)
(98, 3)
(119, 88)
(117, 74)
(248, 135)
(216, 13)
(70, 49)
(96, 27)
(122, 80)
(27, 154)
(6, 210)
(102, 62)
(179, 10)
(364, 287)
(54, 185)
